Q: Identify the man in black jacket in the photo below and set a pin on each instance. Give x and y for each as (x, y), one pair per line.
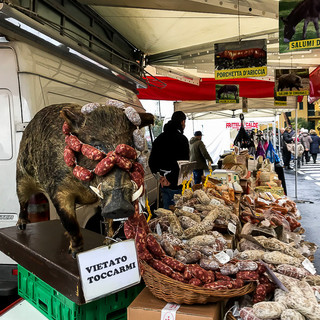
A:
(168, 148)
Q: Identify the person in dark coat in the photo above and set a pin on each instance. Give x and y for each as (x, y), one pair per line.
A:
(314, 145)
(306, 141)
(286, 154)
(168, 148)
(199, 153)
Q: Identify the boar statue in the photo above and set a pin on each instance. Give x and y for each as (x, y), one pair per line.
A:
(79, 157)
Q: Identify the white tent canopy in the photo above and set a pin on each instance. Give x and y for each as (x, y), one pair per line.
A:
(182, 33)
(257, 107)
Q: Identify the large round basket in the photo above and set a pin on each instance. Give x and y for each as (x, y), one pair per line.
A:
(229, 316)
(174, 291)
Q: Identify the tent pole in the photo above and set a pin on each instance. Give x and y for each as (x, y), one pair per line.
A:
(279, 137)
(296, 152)
(274, 131)
(192, 122)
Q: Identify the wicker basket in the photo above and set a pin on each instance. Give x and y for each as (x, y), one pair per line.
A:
(174, 291)
(229, 316)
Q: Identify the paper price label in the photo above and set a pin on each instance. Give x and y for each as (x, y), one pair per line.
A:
(188, 209)
(158, 229)
(230, 253)
(215, 202)
(308, 265)
(169, 311)
(222, 257)
(232, 228)
(317, 294)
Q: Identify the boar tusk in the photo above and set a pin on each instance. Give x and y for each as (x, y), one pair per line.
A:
(135, 186)
(137, 194)
(97, 191)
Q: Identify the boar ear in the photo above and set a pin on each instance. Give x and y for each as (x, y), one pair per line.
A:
(146, 119)
(74, 118)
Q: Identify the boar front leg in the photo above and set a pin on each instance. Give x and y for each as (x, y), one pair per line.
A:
(65, 206)
(23, 216)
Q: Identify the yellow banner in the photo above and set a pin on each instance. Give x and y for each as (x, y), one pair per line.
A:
(227, 101)
(304, 44)
(241, 73)
(293, 93)
(280, 103)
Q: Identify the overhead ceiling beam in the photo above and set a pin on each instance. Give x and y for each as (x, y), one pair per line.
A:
(161, 58)
(200, 6)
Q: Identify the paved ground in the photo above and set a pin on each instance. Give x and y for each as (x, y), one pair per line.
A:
(308, 201)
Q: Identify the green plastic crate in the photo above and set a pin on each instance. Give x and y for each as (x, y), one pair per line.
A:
(56, 306)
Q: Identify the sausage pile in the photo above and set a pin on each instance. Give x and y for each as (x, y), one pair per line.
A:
(271, 234)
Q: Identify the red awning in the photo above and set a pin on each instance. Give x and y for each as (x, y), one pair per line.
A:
(314, 78)
(176, 90)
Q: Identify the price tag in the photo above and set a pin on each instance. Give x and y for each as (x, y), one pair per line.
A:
(232, 228)
(215, 202)
(308, 265)
(317, 294)
(188, 209)
(230, 253)
(169, 311)
(158, 229)
(222, 257)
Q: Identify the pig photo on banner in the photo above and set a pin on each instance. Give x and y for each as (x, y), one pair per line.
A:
(298, 25)
(241, 59)
(292, 82)
(227, 93)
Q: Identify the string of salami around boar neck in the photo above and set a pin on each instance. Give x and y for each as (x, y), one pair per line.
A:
(123, 156)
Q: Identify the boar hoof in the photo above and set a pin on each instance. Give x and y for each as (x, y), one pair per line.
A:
(73, 252)
(108, 241)
(22, 224)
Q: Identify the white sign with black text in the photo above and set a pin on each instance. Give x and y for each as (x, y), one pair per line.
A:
(108, 269)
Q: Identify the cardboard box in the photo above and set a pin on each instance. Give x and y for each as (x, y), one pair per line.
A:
(147, 306)
(225, 176)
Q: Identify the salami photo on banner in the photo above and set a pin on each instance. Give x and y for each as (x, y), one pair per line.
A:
(298, 25)
(227, 93)
(241, 59)
(292, 82)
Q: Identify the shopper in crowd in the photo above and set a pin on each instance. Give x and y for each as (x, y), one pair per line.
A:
(306, 140)
(300, 151)
(199, 153)
(168, 148)
(286, 154)
(314, 145)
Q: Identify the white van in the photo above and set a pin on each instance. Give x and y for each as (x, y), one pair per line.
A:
(31, 79)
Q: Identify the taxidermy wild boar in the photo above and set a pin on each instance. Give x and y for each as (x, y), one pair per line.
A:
(48, 163)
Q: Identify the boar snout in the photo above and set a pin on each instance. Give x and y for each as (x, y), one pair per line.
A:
(116, 195)
(118, 207)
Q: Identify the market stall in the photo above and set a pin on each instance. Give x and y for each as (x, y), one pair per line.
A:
(223, 242)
